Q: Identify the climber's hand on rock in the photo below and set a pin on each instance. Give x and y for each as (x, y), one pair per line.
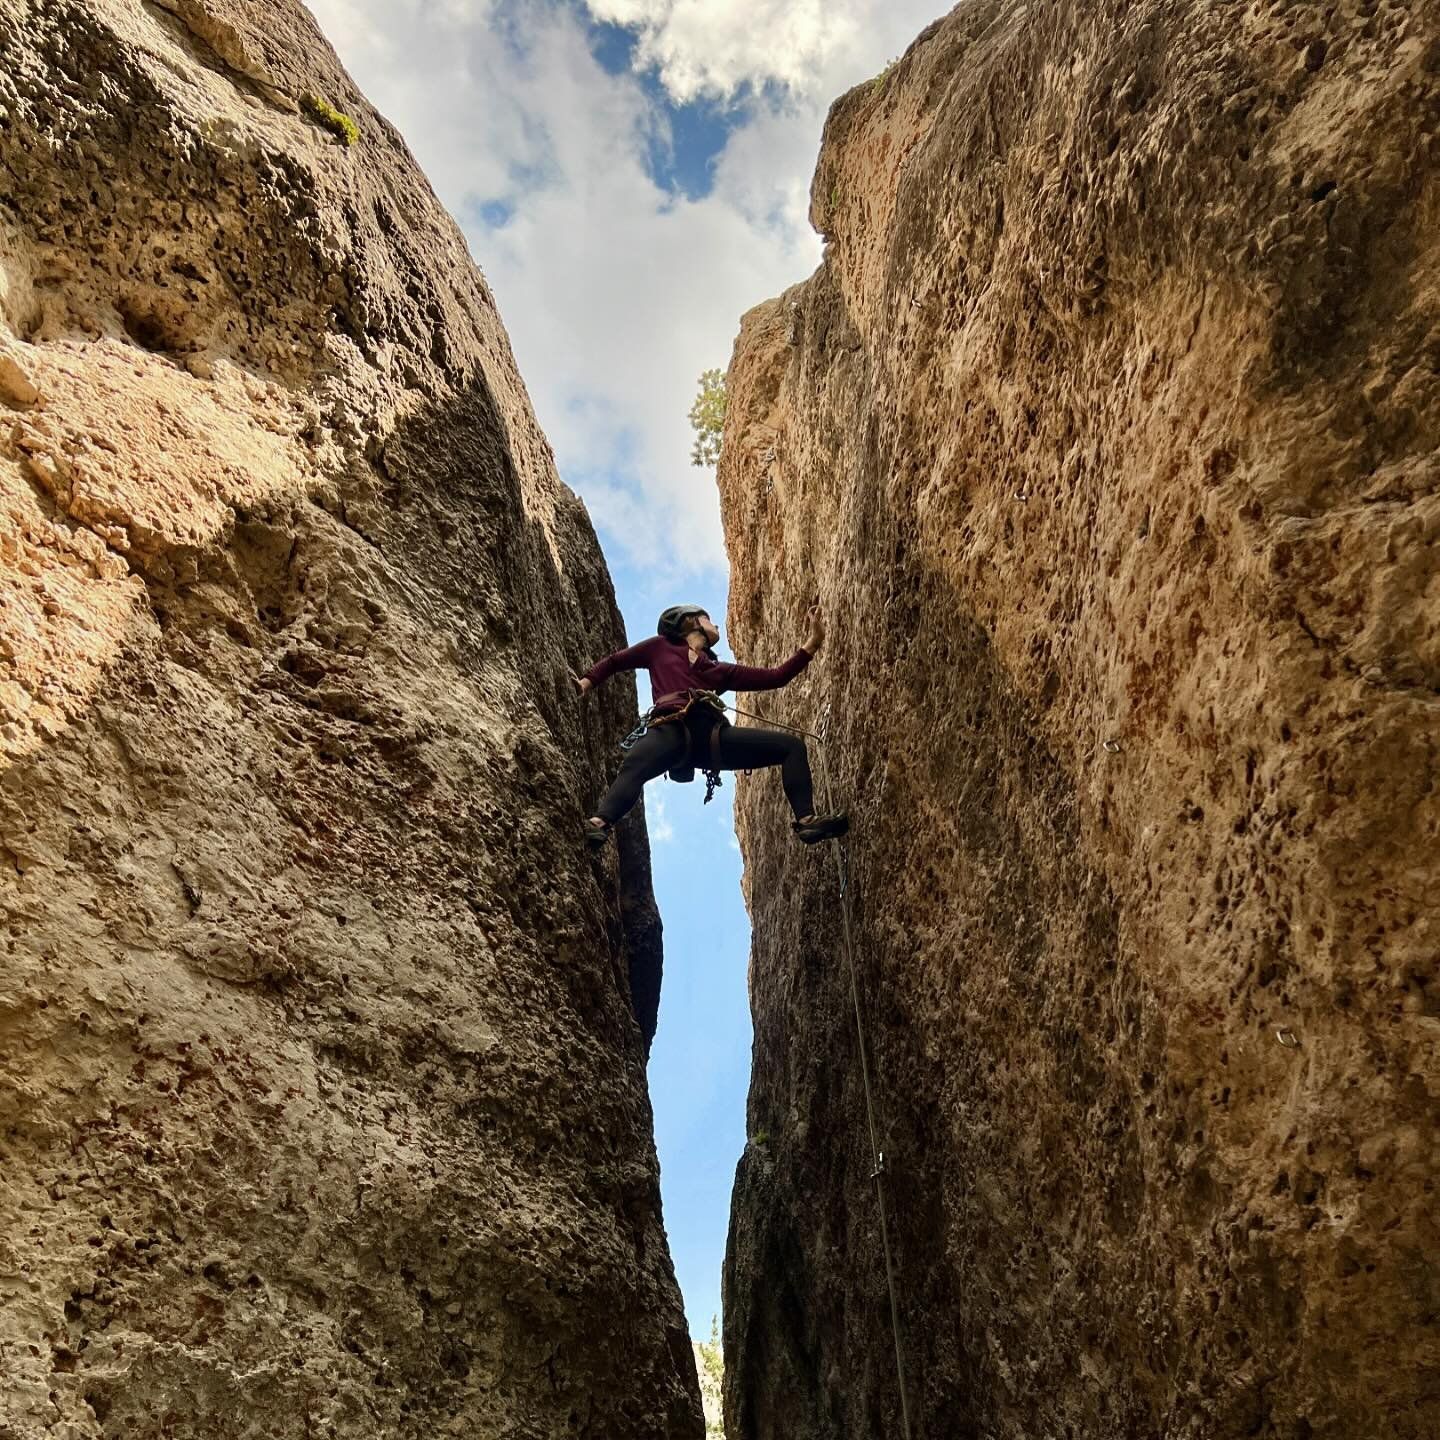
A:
(582, 684)
(816, 620)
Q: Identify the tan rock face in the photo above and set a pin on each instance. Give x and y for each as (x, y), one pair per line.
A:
(322, 1106)
(1107, 433)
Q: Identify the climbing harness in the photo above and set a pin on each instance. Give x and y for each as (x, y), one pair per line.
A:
(660, 714)
(878, 1170)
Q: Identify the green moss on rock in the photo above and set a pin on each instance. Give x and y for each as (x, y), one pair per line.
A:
(323, 113)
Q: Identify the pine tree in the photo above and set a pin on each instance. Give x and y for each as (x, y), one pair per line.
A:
(710, 1363)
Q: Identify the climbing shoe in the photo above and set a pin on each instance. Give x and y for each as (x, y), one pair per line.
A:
(822, 827)
(597, 835)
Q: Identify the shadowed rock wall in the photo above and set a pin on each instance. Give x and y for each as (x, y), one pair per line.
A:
(1107, 434)
(322, 1106)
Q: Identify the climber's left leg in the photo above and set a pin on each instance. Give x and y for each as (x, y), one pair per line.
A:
(745, 747)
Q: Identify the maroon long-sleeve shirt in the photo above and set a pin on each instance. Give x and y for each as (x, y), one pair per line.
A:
(668, 662)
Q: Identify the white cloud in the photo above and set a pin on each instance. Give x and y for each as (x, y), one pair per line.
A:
(810, 47)
(616, 292)
(424, 66)
(657, 821)
(714, 47)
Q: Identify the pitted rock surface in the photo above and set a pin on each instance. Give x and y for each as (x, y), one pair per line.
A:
(1107, 434)
(322, 1104)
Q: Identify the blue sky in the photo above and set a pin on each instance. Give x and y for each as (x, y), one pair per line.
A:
(681, 155)
(700, 1061)
(631, 176)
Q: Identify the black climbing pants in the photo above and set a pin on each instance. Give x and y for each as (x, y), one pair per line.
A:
(742, 747)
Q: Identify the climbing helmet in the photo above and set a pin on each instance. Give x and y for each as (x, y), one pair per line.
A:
(672, 623)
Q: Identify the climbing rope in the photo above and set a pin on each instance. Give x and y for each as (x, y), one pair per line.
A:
(877, 1173)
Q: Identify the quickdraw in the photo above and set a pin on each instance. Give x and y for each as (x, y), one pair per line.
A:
(712, 783)
(637, 734)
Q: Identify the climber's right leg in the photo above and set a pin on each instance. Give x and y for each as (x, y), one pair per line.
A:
(750, 747)
(815, 828)
(656, 751)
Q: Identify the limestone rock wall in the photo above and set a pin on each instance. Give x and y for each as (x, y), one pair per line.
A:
(322, 1105)
(1107, 433)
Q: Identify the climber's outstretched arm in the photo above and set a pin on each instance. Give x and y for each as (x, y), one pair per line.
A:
(755, 677)
(631, 658)
(760, 677)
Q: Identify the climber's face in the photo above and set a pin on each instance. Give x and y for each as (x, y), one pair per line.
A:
(707, 628)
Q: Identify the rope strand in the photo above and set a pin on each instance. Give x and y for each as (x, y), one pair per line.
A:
(877, 1155)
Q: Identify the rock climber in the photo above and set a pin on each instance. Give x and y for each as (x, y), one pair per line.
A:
(686, 725)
